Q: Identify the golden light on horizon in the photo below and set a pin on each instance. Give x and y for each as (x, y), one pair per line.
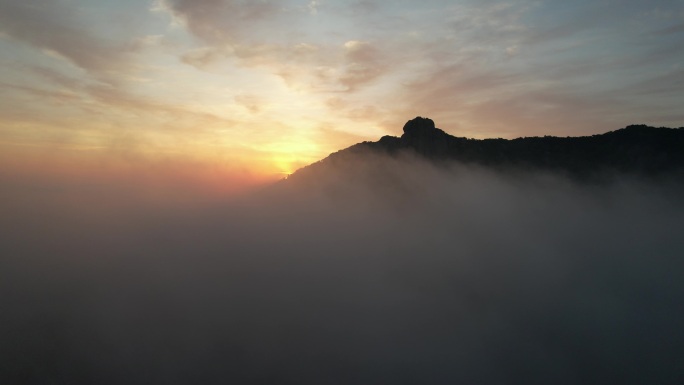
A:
(286, 157)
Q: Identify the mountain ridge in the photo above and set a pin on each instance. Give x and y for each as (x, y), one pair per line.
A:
(638, 150)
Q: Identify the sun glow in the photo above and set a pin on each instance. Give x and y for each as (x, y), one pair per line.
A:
(289, 156)
(286, 164)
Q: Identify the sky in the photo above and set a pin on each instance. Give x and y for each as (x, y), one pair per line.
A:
(229, 93)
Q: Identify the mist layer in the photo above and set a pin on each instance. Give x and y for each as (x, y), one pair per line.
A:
(383, 270)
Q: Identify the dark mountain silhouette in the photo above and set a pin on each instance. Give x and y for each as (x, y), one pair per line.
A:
(639, 150)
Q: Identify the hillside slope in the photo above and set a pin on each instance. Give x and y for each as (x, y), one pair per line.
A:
(636, 150)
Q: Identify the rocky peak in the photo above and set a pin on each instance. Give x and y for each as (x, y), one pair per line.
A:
(421, 135)
(419, 127)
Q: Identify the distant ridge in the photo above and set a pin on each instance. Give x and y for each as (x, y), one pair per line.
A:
(638, 150)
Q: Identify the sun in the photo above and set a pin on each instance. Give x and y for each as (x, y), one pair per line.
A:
(288, 157)
(285, 166)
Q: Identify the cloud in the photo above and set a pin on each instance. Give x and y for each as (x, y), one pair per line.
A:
(512, 50)
(203, 58)
(468, 69)
(669, 83)
(449, 60)
(55, 26)
(221, 21)
(56, 77)
(364, 63)
(244, 31)
(252, 103)
(678, 28)
(320, 69)
(61, 97)
(100, 104)
(313, 7)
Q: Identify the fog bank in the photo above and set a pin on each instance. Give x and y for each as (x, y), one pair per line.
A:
(373, 271)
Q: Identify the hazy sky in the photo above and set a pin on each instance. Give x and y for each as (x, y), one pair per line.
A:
(259, 88)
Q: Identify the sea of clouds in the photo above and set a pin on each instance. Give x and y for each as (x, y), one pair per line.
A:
(377, 270)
